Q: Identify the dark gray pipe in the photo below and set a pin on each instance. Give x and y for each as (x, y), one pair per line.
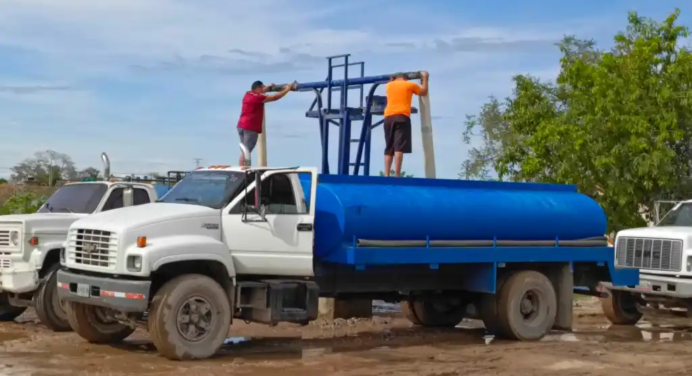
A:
(589, 242)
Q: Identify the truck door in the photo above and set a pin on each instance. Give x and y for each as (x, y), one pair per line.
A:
(282, 243)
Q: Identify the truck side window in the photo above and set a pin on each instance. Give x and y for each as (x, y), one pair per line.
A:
(278, 196)
(141, 196)
(115, 200)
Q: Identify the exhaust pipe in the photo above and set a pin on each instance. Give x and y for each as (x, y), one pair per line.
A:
(246, 155)
(106, 166)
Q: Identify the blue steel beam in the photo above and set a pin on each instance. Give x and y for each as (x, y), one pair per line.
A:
(309, 86)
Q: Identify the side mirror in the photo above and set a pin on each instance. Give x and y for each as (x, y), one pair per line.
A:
(128, 197)
(257, 206)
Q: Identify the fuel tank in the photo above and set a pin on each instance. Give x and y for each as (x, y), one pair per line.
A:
(376, 208)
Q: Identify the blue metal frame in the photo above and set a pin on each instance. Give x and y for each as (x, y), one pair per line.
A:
(344, 115)
(363, 257)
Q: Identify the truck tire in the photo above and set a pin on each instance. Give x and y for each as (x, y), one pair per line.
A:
(526, 306)
(620, 308)
(49, 309)
(189, 318)
(9, 312)
(433, 314)
(90, 324)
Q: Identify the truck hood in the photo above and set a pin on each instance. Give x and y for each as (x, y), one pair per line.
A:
(38, 223)
(142, 215)
(664, 232)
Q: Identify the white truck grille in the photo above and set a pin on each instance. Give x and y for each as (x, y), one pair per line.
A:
(4, 238)
(649, 254)
(93, 248)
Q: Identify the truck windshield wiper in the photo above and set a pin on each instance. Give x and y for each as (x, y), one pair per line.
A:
(186, 199)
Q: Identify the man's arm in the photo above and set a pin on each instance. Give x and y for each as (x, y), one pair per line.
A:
(279, 95)
(424, 84)
(267, 88)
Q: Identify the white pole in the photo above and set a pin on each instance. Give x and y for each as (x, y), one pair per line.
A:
(262, 143)
(427, 135)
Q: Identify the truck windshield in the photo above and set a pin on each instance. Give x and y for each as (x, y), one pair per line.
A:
(680, 216)
(75, 198)
(206, 188)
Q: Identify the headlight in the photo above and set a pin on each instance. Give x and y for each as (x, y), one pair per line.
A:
(14, 237)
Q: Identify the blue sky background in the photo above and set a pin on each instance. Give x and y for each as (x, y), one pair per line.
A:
(156, 83)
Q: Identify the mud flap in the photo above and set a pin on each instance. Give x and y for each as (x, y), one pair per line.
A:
(563, 281)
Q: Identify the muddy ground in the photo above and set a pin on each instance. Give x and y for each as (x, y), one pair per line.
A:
(386, 345)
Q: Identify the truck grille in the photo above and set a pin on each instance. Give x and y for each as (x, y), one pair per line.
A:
(652, 254)
(93, 247)
(4, 238)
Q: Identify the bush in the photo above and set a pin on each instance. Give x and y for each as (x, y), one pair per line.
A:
(22, 202)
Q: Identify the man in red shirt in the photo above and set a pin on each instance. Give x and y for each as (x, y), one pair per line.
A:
(252, 113)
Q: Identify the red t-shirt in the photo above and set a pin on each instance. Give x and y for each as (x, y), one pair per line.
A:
(252, 112)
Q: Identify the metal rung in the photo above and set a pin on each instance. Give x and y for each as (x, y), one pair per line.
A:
(355, 140)
(353, 164)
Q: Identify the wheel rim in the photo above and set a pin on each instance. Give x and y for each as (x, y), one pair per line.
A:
(194, 319)
(529, 306)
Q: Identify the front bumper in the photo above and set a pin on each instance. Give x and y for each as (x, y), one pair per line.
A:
(18, 277)
(117, 294)
(659, 285)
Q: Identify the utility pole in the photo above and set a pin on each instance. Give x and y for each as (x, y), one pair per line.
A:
(197, 161)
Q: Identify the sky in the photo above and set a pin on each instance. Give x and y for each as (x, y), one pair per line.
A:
(158, 83)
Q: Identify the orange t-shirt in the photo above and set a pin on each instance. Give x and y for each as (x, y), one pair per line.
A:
(399, 95)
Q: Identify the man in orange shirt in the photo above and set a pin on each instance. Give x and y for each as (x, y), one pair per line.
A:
(397, 119)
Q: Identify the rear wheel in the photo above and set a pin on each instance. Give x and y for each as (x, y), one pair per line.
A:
(189, 318)
(620, 308)
(526, 306)
(433, 313)
(9, 312)
(93, 324)
(49, 309)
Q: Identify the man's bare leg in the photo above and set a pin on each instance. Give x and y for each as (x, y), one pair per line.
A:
(387, 164)
(398, 159)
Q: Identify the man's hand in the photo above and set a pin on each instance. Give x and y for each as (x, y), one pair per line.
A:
(424, 74)
(290, 86)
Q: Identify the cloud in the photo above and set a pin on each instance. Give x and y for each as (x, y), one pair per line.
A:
(236, 62)
(32, 89)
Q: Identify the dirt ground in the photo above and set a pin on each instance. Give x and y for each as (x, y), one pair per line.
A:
(385, 345)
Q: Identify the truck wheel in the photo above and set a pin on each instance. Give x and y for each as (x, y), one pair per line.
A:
(526, 306)
(620, 308)
(488, 308)
(432, 313)
(9, 312)
(189, 317)
(49, 309)
(92, 324)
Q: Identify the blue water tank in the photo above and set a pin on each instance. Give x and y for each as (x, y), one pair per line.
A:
(378, 208)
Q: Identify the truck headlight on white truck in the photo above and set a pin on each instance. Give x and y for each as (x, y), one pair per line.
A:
(14, 238)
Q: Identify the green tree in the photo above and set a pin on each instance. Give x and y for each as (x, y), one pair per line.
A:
(46, 167)
(90, 172)
(23, 202)
(618, 123)
(392, 173)
(3, 181)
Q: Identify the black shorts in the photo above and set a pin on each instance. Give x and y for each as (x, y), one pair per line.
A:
(397, 134)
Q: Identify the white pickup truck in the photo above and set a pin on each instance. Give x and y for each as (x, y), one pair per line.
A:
(30, 244)
(663, 254)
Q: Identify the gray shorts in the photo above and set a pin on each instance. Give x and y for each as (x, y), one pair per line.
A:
(248, 138)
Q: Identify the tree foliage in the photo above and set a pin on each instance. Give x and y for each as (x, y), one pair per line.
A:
(90, 172)
(617, 123)
(23, 202)
(3, 181)
(46, 167)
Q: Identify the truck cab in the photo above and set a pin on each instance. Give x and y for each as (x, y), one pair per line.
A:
(663, 254)
(30, 244)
